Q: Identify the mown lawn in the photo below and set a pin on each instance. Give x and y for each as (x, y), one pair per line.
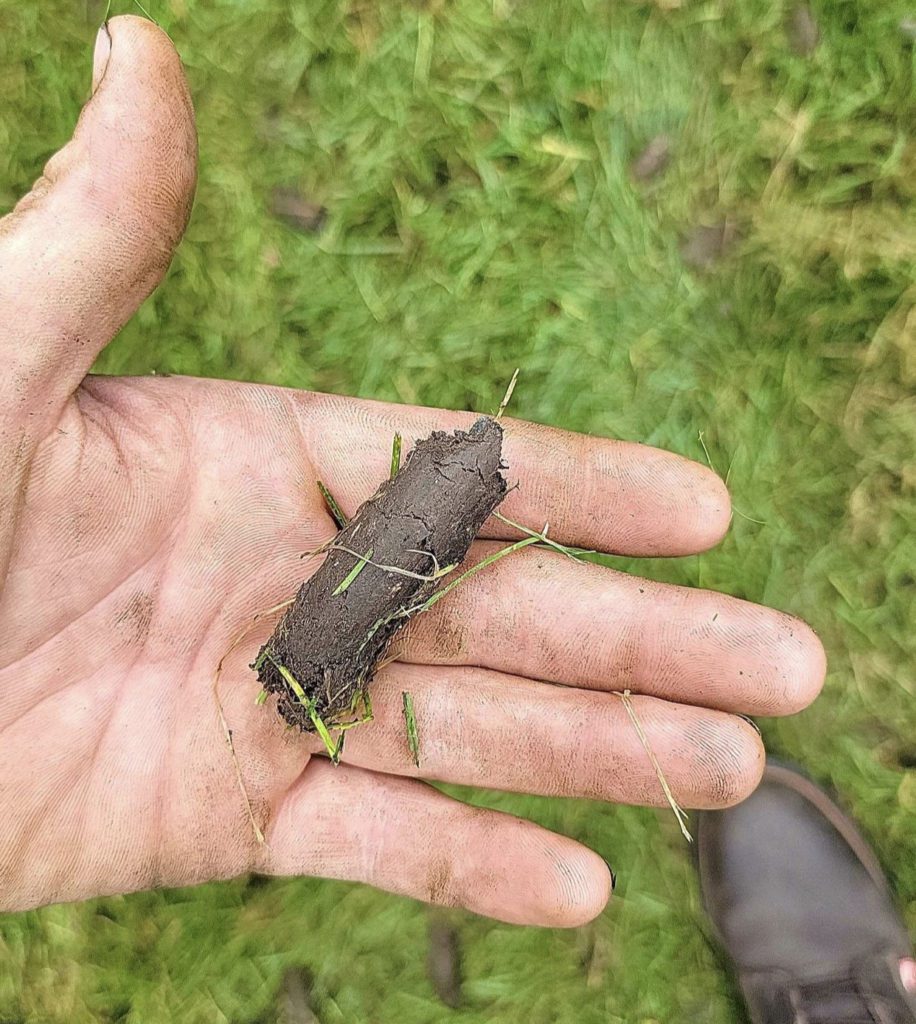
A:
(473, 165)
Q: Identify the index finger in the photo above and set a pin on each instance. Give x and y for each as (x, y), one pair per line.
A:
(594, 492)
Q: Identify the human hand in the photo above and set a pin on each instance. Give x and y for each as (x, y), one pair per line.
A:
(143, 521)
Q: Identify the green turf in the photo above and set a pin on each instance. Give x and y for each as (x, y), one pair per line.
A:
(474, 159)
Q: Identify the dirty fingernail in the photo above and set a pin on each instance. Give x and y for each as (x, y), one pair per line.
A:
(100, 56)
(751, 723)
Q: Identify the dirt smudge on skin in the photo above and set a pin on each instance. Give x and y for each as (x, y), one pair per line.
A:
(439, 883)
(137, 615)
(448, 639)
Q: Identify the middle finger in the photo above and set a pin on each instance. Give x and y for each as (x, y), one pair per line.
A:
(539, 614)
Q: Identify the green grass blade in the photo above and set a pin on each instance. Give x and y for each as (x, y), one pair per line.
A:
(482, 564)
(291, 681)
(395, 457)
(336, 513)
(353, 573)
(413, 736)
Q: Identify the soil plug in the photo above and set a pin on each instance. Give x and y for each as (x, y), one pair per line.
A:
(385, 566)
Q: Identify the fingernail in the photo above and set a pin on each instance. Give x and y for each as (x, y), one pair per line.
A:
(751, 723)
(100, 56)
(613, 876)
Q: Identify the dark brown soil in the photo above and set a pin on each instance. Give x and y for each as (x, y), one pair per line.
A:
(435, 506)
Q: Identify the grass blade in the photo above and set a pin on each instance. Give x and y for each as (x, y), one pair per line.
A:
(413, 736)
(333, 507)
(353, 573)
(395, 457)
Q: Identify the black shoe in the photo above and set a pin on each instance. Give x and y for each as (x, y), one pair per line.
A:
(803, 909)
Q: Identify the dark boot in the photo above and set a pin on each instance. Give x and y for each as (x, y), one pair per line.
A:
(803, 909)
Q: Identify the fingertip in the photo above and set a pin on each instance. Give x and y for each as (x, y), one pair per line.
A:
(742, 763)
(144, 88)
(592, 888)
(712, 509)
(682, 507)
(792, 663)
(572, 886)
(131, 54)
(722, 760)
(124, 26)
(753, 756)
(100, 56)
(804, 663)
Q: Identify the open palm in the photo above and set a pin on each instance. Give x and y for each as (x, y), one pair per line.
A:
(144, 521)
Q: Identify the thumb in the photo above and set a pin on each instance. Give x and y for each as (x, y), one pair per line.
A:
(97, 232)
(91, 240)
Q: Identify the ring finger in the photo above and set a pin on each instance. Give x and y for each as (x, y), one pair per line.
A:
(481, 728)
